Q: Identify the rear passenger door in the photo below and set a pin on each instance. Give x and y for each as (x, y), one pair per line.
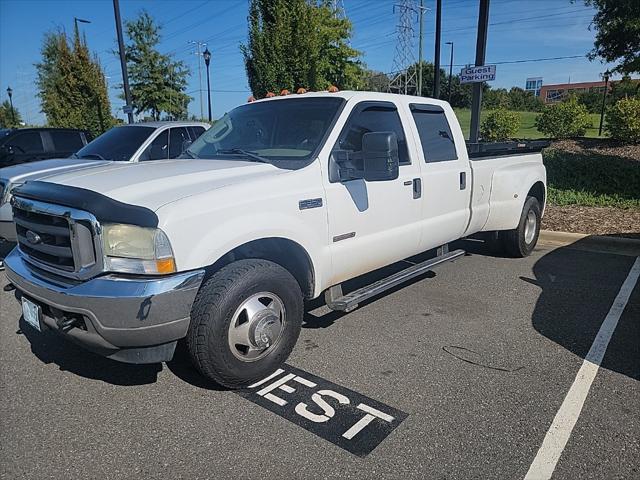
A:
(446, 178)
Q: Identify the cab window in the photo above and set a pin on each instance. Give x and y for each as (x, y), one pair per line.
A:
(372, 117)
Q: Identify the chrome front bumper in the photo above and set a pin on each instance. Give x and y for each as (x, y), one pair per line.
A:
(135, 320)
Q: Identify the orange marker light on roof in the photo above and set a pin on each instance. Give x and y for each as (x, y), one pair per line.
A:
(301, 90)
(284, 91)
(251, 99)
(270, 94)
(333, 89)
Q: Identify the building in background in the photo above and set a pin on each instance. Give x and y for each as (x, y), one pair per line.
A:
(558, 92)
(533, 85)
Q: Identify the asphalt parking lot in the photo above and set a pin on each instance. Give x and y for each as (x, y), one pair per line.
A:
(479, 356)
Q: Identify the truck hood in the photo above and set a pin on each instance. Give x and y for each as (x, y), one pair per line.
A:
(154, 184)
(44, 168)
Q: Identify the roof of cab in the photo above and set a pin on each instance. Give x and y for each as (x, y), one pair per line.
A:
(359, 96)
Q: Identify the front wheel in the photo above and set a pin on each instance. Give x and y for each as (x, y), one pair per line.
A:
(521, 241)
(245, 322)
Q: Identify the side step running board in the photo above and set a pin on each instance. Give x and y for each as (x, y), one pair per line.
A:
(335, 300)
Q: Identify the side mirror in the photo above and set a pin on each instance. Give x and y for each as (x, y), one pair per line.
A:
(380, 156)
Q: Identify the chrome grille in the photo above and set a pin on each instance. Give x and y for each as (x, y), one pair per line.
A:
(59, 239)
(45, 237)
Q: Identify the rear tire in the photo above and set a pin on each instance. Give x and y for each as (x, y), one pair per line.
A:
(521, 241)
(245, 322)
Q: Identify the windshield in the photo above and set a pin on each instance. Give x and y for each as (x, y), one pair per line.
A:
(119, 143)
(284, 132)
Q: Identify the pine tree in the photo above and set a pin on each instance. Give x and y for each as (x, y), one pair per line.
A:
(157, 81)
(6, 117)
(72, 86)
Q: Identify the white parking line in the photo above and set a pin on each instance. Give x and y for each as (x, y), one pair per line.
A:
(558, 435)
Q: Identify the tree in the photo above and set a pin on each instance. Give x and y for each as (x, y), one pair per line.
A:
(158, 82)
(617, 25)
(523, 101)
(625, 88)
(72, 86)
(375, 81)
(299, 43)
(6, 118)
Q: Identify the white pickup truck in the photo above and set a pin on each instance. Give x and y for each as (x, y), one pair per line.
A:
(283, 199)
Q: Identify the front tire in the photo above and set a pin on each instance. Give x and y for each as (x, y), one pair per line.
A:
(521, 241)
(245, 322)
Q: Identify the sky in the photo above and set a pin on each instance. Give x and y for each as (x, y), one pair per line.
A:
(519, 31)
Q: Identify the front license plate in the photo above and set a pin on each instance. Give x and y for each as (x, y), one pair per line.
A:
(31, 313)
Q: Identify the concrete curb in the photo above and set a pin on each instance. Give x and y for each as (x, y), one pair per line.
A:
(593, 243)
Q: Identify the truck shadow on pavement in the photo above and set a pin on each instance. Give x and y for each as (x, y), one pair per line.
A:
(578, 285)
(49, 348)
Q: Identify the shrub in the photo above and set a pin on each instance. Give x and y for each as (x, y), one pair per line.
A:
(564, 120)
(500, 125)
(623, 120)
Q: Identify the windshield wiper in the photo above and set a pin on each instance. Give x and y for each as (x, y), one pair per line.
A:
(246, 153)
(93, 155)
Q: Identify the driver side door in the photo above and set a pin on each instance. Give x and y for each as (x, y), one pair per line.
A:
(373, 223)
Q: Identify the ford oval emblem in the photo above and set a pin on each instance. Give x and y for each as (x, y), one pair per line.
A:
(33, 238)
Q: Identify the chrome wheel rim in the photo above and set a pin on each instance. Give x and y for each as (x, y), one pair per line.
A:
(530, 227)
(256, 326)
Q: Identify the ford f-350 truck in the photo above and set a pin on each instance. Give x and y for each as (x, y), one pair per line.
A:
(282, 200)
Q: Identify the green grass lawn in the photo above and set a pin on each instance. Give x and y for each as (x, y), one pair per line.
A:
(527, 123)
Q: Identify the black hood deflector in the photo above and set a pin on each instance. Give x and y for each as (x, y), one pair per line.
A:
(105, 209)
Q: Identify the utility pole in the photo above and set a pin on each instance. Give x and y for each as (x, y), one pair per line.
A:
(198, 44)
(128, 108)
(450, 69)
(421, 35)
(481, 50)
(436, 61)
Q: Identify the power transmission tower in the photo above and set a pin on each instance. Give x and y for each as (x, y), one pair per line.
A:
(404, 78)
(198, 52)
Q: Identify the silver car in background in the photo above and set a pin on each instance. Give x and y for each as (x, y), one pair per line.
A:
(138, 142)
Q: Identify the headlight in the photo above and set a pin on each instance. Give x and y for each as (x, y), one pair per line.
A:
(139, 250)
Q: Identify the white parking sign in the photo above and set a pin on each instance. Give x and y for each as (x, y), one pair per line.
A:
(483, 73)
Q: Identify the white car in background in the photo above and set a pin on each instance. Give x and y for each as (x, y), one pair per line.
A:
(138, 142)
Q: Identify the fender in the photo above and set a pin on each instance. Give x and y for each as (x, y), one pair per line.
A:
(203, 242)
(509, 188)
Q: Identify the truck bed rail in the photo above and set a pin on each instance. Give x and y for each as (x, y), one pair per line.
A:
(494, 149)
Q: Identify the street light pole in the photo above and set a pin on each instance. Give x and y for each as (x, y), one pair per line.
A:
(81, 20)
(450, 69)
(604, 100)
(207, 58)
(13, 114)
(123, 62)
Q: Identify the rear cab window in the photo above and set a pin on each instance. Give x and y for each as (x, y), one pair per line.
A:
(26, 142)
(66, 141)
(435, 134)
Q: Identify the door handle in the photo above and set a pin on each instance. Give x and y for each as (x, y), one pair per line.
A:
(463, 180)
(417, 188)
